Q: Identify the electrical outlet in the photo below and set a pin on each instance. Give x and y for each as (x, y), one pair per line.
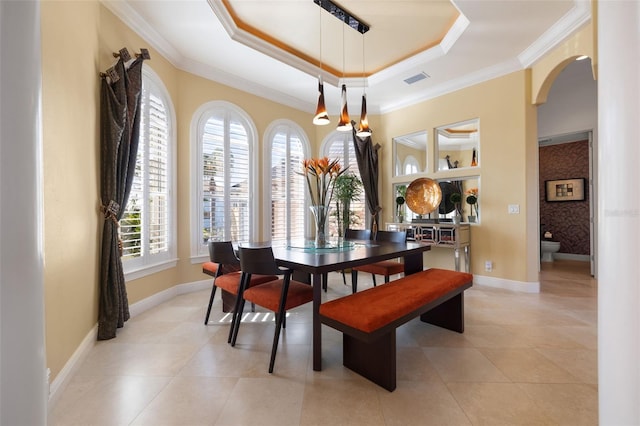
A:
(488, 266)
(514, 208)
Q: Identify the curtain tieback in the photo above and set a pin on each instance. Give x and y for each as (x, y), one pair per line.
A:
(110, 212)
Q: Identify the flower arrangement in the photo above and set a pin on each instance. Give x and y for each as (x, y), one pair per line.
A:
(321, 175)
(472, 200)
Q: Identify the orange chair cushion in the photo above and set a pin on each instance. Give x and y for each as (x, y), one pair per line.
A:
(385, 267)
(268, 295)
(373, 308)
(231, 282)
(210, 268)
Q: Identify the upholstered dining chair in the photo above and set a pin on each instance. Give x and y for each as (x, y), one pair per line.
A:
(279, 295)
(355, 234)
(225, 263)
(384, 267)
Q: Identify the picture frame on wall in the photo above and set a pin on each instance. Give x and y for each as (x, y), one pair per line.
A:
(565, 190)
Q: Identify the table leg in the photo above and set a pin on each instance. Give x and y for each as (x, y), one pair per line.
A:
(317, 330)
(456, 256)
(467, 249)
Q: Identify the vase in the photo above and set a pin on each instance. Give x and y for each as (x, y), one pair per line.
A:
(471, 219)
(320, 215)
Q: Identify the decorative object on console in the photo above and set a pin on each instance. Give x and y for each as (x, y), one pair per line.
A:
(423, 196)
(323, 173)
(456, 199)
(400, 200)
(472, 200)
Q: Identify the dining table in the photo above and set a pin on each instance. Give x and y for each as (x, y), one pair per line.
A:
(315, 262)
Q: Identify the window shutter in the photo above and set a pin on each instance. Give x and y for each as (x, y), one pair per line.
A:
(145, 224)
(287, 187)
(225, 180)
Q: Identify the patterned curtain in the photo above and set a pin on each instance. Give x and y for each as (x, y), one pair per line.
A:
(119, 129)
(367, 157)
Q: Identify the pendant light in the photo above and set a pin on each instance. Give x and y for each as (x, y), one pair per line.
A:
(321, 117)
(363, 130)
(345, 122)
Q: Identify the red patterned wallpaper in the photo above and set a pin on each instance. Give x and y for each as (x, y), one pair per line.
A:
(568, 220)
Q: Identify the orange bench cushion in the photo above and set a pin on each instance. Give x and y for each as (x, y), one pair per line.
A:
(376, 307)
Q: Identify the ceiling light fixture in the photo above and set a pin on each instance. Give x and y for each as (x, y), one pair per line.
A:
(345, 122)
(363, 130)
(357, 24)
(321, 117)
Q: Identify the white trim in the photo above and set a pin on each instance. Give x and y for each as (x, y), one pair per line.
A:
(520, 286)
(269, 134)
(71, 367)
(579, 15)
(80, 354)
(149, 269)
(198, 120)
(572, 256)
(150, 263)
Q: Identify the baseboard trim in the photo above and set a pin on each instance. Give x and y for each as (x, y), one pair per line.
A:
(62, 379)
(571, 256)
(520, 286)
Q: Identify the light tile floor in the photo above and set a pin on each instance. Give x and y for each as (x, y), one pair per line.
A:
(523, 359)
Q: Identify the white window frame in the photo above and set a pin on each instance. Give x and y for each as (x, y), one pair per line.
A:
(147, 264)
(200, 250)
(270, 133)
(324, 152)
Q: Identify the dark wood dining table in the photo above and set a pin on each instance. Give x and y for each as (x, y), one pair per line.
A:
(313, 262)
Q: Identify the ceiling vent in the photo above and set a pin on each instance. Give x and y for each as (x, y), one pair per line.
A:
(416, 78)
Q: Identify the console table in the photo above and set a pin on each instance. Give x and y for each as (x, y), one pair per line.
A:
(448, 235)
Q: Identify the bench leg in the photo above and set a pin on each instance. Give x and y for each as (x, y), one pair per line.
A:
(375, 361)
(449, 314)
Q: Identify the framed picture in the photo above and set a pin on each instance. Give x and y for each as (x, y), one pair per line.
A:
(565, 189)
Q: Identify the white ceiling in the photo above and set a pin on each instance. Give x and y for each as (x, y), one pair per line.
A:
(487, 39)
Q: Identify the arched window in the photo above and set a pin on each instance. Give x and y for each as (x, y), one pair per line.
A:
(340, 145)
(411, 165)
(286, 192)
(147, 227)
(224, 167)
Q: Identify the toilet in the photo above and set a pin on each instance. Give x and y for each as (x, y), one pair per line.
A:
(548, 248)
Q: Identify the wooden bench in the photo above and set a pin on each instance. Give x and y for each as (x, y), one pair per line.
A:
(368, 319)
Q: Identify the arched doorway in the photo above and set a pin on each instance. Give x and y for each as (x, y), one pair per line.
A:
(567, 134)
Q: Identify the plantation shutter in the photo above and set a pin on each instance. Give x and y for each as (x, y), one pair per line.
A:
(144, 227)
(287, 187)
(225, 180)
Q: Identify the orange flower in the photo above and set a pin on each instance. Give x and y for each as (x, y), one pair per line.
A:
(324, 172)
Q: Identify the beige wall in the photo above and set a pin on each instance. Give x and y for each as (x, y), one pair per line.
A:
(78, 39)
(70, 84)
(500, 106)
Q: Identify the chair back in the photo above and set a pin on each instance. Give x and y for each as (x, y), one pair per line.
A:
(392, 236)
(357, 234)
(221, 252)
(259, 261)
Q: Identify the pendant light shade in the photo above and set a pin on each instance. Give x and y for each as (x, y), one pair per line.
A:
(345, 122)
(321, 118)
(363, 129)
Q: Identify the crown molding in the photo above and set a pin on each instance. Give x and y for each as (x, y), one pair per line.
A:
(468, 80)
(136, 23)
(579, 15)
